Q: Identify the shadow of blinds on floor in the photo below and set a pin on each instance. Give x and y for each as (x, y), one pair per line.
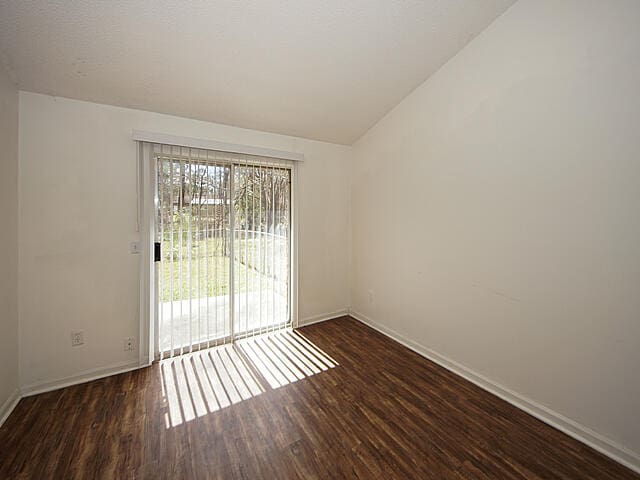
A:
(203, 382)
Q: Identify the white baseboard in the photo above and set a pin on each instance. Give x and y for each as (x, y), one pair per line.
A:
(572, 428)
(86, 376)
(323, 317)
(7, 407)
(94, 374)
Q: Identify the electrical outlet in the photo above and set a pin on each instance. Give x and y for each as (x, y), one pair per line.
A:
(77, 338)
(134, 248)
(129, 344)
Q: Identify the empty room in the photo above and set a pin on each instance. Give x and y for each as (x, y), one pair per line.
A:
(359, 239)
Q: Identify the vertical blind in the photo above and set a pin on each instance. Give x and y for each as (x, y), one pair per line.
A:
(224, 224)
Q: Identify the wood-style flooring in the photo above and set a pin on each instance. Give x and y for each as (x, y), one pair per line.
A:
(331, 400)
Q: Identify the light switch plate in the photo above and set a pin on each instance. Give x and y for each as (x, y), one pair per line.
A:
(134, 248)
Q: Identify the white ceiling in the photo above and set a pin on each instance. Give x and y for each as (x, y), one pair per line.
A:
(321, 69)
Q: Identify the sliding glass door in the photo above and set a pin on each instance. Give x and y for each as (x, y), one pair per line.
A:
(262, 246)
(223, 230)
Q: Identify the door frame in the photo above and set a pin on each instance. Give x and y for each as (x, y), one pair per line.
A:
(146, 228)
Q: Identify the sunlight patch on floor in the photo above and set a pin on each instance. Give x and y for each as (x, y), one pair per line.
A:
(200, 383)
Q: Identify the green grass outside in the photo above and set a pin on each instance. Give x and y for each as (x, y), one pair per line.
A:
(207, 273)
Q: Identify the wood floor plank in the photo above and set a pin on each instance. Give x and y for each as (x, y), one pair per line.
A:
(331, 400)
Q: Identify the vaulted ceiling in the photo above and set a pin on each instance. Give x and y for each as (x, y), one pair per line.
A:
(320, 69)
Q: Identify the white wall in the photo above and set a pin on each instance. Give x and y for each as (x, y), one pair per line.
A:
(78, 215)
(496, 211)
(8, 242)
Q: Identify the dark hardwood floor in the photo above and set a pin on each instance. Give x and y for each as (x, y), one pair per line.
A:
(334, 400)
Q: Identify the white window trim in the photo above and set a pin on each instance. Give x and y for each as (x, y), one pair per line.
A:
(148, 268)
(152, 137)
